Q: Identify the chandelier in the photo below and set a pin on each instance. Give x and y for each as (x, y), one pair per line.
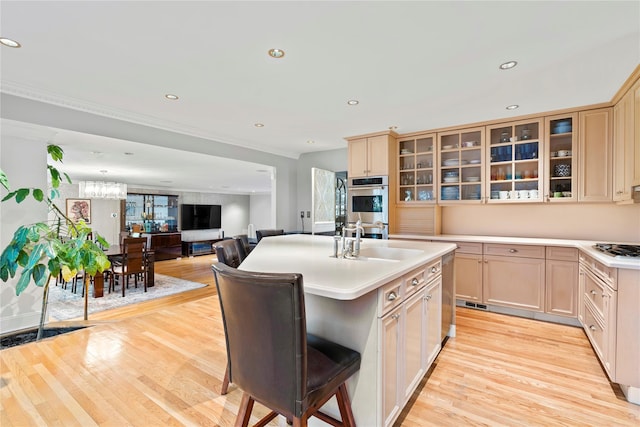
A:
(102, 190)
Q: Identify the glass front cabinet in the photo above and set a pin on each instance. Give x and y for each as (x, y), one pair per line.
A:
(514, 162)
(460, 165)
(560, 176)
(416, 169)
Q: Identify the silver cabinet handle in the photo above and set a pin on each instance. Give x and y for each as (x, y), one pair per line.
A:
(434, 269)
(392, 296)
(593, 292)
(513, 251)
(415, 282)
(395, 316)
(593, 328)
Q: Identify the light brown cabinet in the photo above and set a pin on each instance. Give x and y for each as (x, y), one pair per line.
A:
(370, 156)
(514, 276)
(624, 146)
(561, 293)
(416, 169)
(560, 158)
(461, 170)
(595, 139)
(514, 162)
(468, 271)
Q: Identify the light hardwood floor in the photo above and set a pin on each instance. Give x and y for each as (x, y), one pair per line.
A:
(161, 363)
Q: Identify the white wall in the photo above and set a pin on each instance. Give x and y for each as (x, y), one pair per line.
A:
(332, 160)
(260, 213)
(24, 161)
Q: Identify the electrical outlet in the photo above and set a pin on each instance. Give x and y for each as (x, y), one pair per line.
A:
(301, 214)
(308, 214)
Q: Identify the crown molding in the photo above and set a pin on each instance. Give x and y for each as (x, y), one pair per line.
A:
(35, 94)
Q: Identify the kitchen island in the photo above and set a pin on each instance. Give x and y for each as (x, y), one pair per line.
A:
(386, 304)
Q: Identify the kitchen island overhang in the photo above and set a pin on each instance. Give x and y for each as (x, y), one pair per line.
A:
(344, 301)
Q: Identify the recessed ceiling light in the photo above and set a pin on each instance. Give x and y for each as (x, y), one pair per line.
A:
(96, 153)
(508, 65)
(259, 125)
(103, 171)
(9, 43)
(311, 141)
(393, 127)
(276, 53)
(128, 153)
(512, 107)
(171, 97)
(353, 102)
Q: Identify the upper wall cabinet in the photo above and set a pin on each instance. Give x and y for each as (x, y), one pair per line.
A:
(370, 156)
(626, 145)
(560, 161)
(514, 161)
(460, 164)
(595, 152)
(416, 169)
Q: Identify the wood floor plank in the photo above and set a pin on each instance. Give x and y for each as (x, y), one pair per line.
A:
(161, 363)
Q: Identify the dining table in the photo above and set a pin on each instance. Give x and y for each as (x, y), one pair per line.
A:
(115, 252)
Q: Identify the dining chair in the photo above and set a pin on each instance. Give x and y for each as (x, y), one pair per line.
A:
(260, 234)
(246, 246)
(271, 357)
(228, 252)
(133, 263)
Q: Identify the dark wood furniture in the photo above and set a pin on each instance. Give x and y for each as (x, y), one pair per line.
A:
(165, 245)
(199, 247)
(115, 252)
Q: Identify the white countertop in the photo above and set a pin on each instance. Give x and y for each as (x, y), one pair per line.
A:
(342, 279)
(584, 245)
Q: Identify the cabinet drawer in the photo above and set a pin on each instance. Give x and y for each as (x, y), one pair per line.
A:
(468, 247)
(390, 296)
(562, 253)
(608, 274)
(595, 331)
(524, 251)
(594, 292)
(415, 281)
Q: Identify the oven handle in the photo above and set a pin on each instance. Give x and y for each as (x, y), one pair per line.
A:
(369, 187)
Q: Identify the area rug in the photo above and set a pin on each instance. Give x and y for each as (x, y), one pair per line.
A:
(65, 305)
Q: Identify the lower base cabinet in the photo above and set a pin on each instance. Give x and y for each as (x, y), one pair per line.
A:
(410, 343)
(514, 282)
(561, 294)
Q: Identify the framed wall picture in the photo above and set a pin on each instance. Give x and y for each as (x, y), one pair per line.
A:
(79, 209)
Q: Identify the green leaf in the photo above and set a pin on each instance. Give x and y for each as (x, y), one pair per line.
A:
(4, 181)
(9, 196)
(38, 194)
(40, 275)
(55, 193)
(55, 152)
(67, 177)
(22, 194)
(23, 282)
(55, 176)
(4, 273)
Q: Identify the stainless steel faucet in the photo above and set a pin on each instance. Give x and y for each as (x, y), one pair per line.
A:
(351, 248)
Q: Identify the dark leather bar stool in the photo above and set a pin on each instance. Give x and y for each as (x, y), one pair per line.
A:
(245, 245)
(228, 252)
(266, 233)
(271, 358)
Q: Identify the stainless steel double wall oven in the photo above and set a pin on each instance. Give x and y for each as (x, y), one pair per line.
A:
(368, 200)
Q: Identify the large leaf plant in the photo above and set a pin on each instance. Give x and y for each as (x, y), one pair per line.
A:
(45, 250)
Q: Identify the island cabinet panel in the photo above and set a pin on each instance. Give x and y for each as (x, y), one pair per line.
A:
(391, 348)
(432, 322)
(413, 346)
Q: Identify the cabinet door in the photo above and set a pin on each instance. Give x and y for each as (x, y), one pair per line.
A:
(623, 148)
(413, 338)
(378, 155)
(562, 288)
(461, 168)
(433, 315)
(514, 282)
(636, 136)
(560, 158)
(595, 151)
(390, 345)
(468, 277)
(358, 157)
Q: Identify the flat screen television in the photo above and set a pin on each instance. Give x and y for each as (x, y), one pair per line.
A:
(200, 217)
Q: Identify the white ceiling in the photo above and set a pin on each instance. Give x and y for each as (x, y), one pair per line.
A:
(414, 65)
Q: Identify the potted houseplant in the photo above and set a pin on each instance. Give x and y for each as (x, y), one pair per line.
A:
(44, 250)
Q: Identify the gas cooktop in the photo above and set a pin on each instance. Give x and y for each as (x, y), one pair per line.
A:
(613, 249)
